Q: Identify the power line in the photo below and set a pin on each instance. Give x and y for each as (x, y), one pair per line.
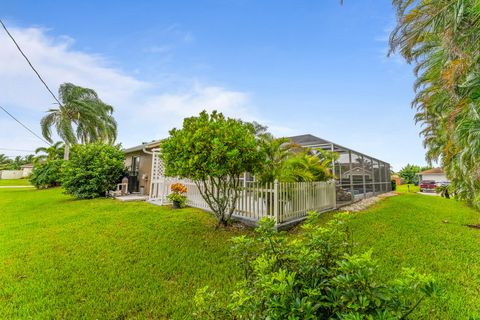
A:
(31, 66)
(31, 131)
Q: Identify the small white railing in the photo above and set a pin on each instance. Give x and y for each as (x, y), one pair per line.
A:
(282, 201)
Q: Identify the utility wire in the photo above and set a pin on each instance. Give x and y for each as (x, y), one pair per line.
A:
(31, 131)
(31, 66)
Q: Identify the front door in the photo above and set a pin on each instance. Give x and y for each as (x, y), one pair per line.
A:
(133, 175)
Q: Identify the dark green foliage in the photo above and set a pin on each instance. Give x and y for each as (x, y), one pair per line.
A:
(289, 162)
(394, 185)
(213, 151)
(92, 170)
(47, 174)
(315, 276)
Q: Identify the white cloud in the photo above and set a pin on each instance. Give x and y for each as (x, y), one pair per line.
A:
(143, 111)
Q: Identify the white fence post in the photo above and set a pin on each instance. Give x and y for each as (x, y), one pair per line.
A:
(275, 201)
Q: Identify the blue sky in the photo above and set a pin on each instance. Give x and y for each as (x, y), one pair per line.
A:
(298, 66)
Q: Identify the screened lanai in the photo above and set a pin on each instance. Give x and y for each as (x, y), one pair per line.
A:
(358, 176)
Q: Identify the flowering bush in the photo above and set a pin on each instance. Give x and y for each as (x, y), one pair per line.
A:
(177, 196)
(178, 188)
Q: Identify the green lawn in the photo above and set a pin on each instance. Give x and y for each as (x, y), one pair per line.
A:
(405, 188)
(427, 233)
(62, 258)
(15, 182)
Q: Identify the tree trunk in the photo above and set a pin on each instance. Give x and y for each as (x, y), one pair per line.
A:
(66, 153)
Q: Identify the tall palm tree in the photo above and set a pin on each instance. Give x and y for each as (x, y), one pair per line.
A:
(49, 153)
(81, 118)
(442, 39)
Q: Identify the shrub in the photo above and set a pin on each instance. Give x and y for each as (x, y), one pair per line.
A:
(92, 170)
(315, 276)
(177, 196)
(213, 151)
(394, 185)
(47, 174)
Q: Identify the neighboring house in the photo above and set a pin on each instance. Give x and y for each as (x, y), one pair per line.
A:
(435, 174)
(138, 161)
(24, 172)
(357, 173)
(27, 170)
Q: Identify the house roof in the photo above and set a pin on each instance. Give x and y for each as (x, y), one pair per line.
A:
(28, 165)
(432, 171)
(307, 139)
(145, 145)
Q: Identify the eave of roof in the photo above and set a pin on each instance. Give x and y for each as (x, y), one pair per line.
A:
(147, 145)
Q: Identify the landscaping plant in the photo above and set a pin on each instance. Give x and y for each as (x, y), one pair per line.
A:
(47, 174)
(177, 196)
(92, 170)
(441, 38)
(314, 276)
(213, 151)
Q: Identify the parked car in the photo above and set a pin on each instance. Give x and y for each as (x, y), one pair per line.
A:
(427, 185)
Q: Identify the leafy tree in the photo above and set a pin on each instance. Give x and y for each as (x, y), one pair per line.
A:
(55, 151)
(442, 39)
(4, 161)
(82, 117)
(316, 276)
(409, 173)
(47, 174)
(93, 170)
(213, 151)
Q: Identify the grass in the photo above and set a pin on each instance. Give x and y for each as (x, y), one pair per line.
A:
(429, 234)
(15, 182)
(405, 188)
(62, 258)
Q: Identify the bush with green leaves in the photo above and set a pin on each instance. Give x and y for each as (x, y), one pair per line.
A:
(93, 169)
(314, 276)
(393, 184)
(213, 151)
(47, 174)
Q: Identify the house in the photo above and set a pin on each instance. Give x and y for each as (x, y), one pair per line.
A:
(24, 172)
(358, 175)
(27, 170)
(138, 161)
(435, 174)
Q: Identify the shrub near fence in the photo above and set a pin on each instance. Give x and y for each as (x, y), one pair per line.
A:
(283, 201)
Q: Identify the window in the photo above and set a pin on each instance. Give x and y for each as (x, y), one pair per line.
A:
(135, 165)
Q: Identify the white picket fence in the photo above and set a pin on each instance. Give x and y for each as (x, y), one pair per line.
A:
(282, 201)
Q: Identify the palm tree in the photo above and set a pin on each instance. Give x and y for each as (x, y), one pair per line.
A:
(81, 117)
(442, 39)
(55, 151)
